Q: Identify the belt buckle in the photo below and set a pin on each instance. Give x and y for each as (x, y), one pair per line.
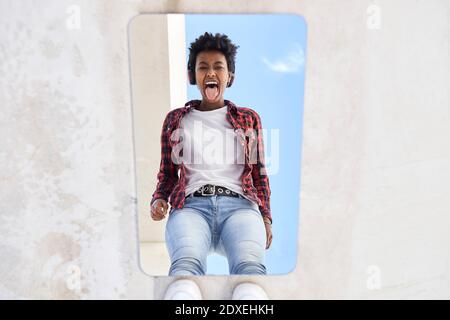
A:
(213, 188)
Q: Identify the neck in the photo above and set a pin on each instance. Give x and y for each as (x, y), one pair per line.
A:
(205, 106)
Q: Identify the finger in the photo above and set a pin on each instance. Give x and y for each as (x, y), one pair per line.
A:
(157, 215)
(160, 204)
(159, 208)
(162, 212)
(269, 241)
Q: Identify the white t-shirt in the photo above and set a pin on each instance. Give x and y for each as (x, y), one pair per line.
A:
(212, 152)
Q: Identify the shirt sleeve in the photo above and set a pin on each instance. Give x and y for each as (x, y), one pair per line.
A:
(168, 171)
(259, 173)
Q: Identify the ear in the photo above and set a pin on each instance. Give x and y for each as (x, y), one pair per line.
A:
(230, 79)
(191, 77)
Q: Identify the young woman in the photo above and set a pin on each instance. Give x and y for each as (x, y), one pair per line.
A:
(213, 172)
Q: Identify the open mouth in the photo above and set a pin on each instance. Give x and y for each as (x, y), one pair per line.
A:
(211, 90)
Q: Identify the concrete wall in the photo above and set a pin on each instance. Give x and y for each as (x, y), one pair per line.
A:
(375, 195)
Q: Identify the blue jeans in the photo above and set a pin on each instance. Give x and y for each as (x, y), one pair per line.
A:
(230, 226)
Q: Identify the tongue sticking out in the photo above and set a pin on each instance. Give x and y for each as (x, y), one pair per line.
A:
(212, 93)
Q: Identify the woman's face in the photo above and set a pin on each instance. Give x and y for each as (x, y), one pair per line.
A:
(212, 76)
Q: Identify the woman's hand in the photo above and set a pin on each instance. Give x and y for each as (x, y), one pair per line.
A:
(269, 236)
(159, 209)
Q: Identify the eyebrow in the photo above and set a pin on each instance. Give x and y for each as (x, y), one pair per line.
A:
(217, 62)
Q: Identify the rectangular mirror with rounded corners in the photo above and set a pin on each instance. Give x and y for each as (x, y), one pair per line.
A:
(264, 58)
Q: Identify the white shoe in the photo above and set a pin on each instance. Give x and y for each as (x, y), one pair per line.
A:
(249, 291)
(183, 290)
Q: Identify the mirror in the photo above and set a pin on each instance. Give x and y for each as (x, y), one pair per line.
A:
(269, 79)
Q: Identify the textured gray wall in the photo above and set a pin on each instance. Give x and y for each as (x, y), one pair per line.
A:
(375, 193)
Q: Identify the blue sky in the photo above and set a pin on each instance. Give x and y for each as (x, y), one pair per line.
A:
(269, 78)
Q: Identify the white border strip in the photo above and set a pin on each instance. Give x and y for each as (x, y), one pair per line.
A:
(177, 60)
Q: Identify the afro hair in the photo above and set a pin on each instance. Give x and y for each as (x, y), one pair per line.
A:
(210, 42)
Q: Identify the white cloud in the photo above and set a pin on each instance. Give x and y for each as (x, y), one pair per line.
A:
(291, 63)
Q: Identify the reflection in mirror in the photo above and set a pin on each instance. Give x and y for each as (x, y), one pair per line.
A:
(217, 120)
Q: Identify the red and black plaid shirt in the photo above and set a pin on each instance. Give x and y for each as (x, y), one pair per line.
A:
(247, 124)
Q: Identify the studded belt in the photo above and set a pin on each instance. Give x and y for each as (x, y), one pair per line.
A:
(211, 190)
